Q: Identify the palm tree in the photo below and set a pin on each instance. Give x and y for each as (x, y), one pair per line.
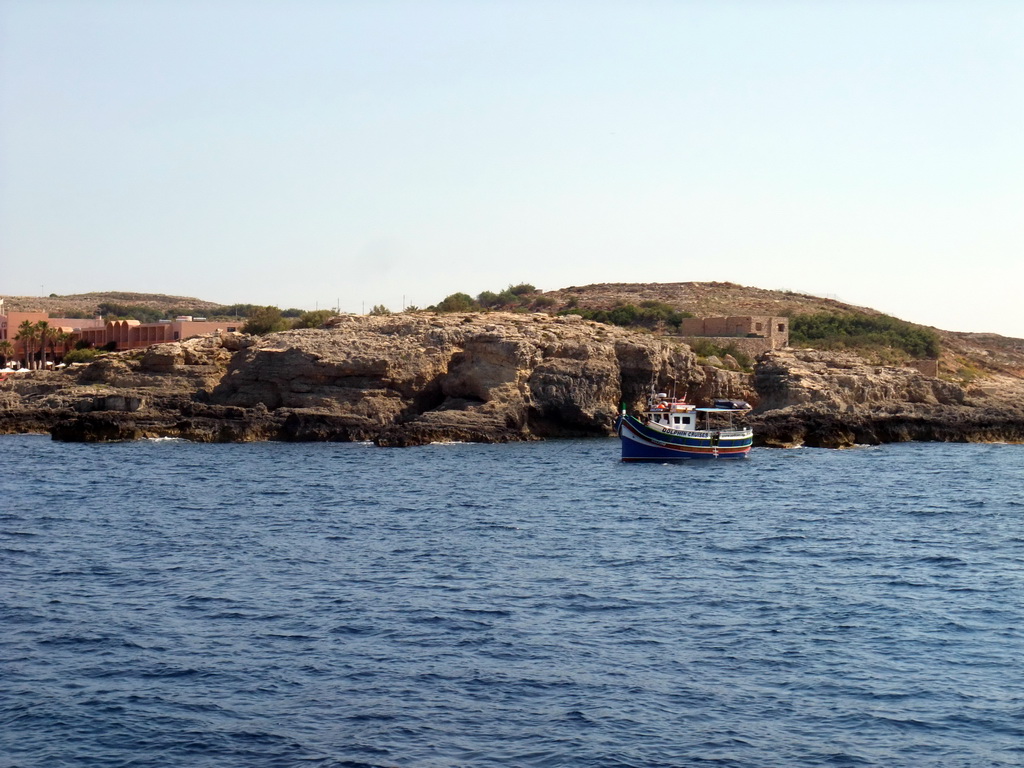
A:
(6, 350)
(27, 336)
(43, 331)
(52, 340)
(48, 336)
(65, 339)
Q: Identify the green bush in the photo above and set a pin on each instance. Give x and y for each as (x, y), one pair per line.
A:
(650, 314)
(488, 300)
(113, 311)
(265, 320)
(457, 302)
(80, 355)
(829, 330)
(232, 310)
(707, 348)
(314, 319)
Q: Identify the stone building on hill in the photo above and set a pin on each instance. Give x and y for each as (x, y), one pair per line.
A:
(754, 334)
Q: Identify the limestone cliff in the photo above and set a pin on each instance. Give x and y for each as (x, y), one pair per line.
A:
(838, 400)
(409, 379)
(397, 380)
(415, 378)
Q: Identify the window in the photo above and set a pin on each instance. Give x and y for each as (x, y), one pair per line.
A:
(677, 419)
(782, 327)
(758, 326)
(686, 420)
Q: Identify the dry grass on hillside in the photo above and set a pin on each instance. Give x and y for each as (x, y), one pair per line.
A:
(58, 306)
(702, 299)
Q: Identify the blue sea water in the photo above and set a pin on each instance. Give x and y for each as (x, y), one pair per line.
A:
(171, 604)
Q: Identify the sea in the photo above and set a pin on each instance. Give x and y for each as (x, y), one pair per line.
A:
(164, 603)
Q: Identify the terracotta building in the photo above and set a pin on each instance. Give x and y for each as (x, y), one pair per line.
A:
(9, 322)
(120, 334)
(132, 334)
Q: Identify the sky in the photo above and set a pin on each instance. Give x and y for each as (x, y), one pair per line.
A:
(322, 153)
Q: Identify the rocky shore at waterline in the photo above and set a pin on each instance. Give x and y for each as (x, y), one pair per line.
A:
(837, 400)
(411, 379)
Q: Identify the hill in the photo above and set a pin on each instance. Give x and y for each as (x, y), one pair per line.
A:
(88, 304)
(986, 361)
(983, 360)
(701, 299)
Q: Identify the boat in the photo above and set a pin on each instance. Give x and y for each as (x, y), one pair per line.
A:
(671, 430)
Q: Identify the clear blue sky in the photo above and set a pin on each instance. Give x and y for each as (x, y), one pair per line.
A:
(305, 152)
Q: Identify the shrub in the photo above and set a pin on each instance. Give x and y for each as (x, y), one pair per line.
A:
(380, 309)
(707, 348)
(232, 310)
(113, 311)
(488, 300)
(314, 319)
(457, 302)
(830, 330)
(265, 320)
(81, 355)
(650, 314)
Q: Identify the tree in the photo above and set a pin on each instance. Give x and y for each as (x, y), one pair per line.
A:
(46, 335)
(457, 302)
(265, 320)
(6, 350)
(314, 319)
(66, 339)
(489, 299)
(380, 309)
(27, 336)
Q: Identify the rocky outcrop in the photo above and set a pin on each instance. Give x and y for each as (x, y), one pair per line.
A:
(415, 378)
(411, 379)
(838, 400)
(396, 380)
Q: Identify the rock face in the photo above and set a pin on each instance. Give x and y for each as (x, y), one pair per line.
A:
(410, 379)
(415, 378)
(396, 380)
(837, 400)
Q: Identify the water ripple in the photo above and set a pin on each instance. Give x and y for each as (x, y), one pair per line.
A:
(514, 605)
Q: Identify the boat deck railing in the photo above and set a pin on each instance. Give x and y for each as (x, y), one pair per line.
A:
(704, 434)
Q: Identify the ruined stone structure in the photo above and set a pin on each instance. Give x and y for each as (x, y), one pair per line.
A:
(754, 334)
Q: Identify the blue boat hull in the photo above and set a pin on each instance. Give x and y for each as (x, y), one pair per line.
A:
(641, 443)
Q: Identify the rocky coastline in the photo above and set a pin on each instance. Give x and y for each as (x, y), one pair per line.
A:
(412, 379)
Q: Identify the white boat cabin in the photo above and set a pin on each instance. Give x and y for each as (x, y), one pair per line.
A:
(673, 414)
